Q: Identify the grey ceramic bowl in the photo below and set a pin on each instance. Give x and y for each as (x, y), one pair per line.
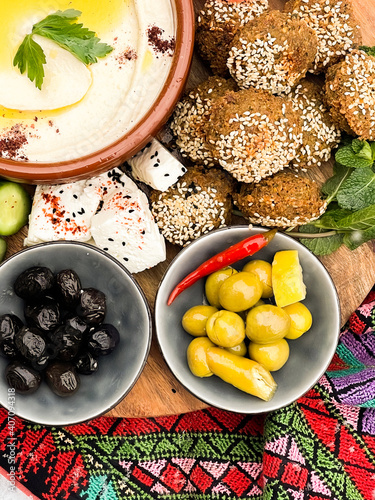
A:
(127, 309)
(310, 355)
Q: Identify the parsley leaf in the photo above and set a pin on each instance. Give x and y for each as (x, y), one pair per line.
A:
(30, 57)
(61, 28)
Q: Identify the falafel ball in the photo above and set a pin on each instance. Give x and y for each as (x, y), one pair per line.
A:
(253, 133)
(283, 200)
(191, 112)
(335, 26)
(217, 24)
(320, 134)
(350, 94)
(199, 202)
(272, 52)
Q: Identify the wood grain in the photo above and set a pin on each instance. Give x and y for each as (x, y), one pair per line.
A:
(157, 392)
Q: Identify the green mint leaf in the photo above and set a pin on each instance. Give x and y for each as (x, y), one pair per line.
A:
(365, 151)
(61, 28)
(356, 145)
(332, 186)
(362, 219)
(369, 50)
(30, 59)
(363, 158)
(331, 218)
(358, 191)
(354, 239)
(320, 246)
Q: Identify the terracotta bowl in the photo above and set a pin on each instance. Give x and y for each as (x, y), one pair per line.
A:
(119, 151)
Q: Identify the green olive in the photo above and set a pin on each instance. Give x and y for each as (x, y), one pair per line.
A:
(214, 282)
(267, 323)
(263, 270)
(239, 349)
(272, 356)
(301, 320)
(195, 319)
(225, 329)
(240, 292)
(197, 356)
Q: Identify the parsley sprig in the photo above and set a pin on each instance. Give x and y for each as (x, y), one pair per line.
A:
(63, 30)
(350, 216)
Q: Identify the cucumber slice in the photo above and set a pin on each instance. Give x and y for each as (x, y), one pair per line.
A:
(15, 206)
(3, 248)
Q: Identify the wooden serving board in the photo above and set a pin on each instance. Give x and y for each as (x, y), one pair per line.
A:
(157, 392)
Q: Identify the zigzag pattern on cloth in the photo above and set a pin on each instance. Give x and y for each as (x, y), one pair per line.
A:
(322, 447)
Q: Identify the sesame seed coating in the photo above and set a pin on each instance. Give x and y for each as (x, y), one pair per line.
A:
(253, 133)
(334, 24)
(283, 200)
(320, 134)
(191, 112)
(217, 24)
(350, 94)
(272, 52)
(199, 202)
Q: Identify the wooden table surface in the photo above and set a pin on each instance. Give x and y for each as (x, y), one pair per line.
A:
(157, 392)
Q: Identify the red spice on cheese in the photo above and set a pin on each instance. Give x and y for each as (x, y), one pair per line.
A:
(57, 216)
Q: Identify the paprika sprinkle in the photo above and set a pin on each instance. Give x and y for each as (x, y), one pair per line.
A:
(229, 256)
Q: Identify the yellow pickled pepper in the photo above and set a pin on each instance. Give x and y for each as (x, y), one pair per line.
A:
(243, 373)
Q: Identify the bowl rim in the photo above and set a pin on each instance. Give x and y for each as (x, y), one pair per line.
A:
(149, 322)
(135, 139)
(179, 378)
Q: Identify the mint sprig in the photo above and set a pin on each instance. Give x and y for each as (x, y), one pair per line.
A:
(63, 30)
(350, 216)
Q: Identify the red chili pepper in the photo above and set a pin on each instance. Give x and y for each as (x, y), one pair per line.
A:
(236, 252)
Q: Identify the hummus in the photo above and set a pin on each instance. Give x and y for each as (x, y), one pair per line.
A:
(83, 109)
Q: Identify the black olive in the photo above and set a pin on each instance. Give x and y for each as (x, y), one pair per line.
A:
(34, 283)
(9, 326)
(23, 379)
(93, 306)
(67, 342)
(68, 286)
(45, 315)
(76, 325)
(103, 339)
(62, 378)
(30, 343)
(86, 363)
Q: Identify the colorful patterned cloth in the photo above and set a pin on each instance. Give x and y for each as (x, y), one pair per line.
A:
(321, 447)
